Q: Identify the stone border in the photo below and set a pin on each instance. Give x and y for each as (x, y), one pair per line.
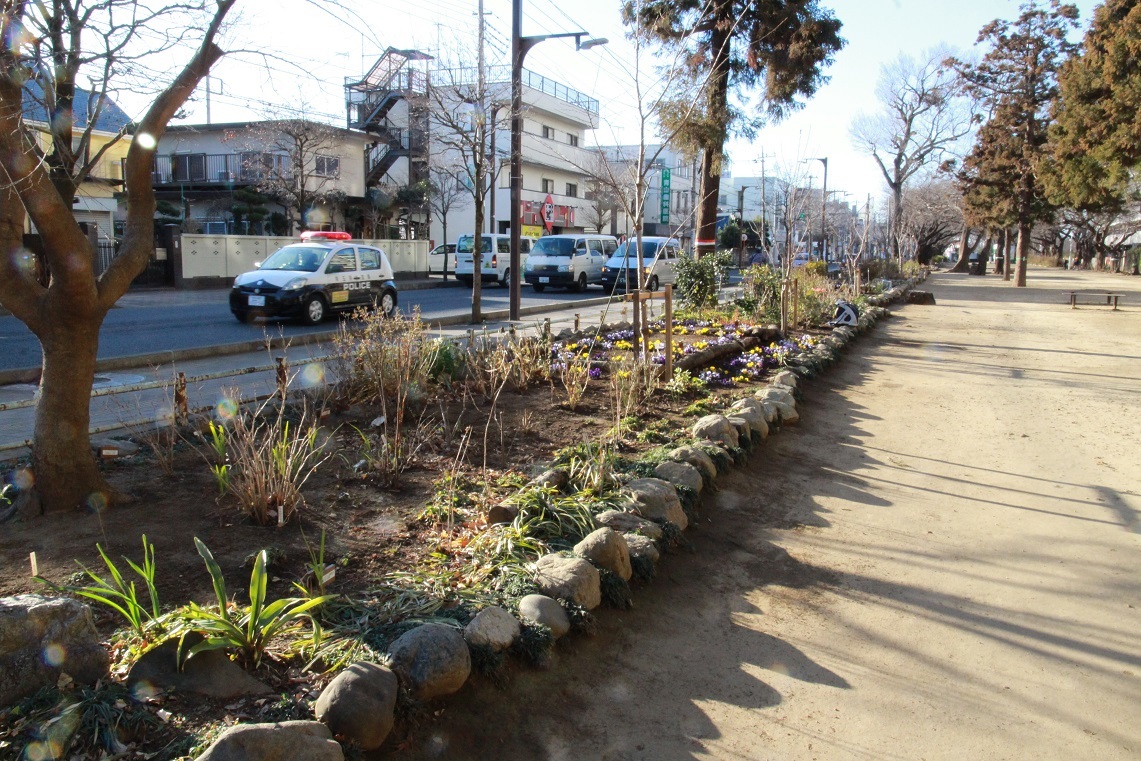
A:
(433, 660)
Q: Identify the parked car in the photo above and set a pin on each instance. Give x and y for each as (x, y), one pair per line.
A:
(326, 272)
(496, 264)
(658, 257)
(441, 257)
(570, 261)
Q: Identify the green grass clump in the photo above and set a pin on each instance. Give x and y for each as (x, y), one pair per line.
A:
(534, 644)
(615, 590)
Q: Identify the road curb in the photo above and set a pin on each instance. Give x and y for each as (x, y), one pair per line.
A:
(131, 361)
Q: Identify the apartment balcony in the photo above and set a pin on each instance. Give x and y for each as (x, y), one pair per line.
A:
(220, 169)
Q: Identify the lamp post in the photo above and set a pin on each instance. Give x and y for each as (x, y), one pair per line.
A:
(823, 206)
(520, 46)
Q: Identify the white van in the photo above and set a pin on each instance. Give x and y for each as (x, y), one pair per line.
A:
(659, 255)
(571, 260)
(496, 257)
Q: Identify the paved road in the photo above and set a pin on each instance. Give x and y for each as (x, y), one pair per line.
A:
(146, 323)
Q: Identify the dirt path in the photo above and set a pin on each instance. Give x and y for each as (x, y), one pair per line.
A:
(942, 562)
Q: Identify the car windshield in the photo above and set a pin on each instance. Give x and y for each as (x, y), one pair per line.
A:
(296, 259)
(649, 248)
(553, 247)
(466, 244)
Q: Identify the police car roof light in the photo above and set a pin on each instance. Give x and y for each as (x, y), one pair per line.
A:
(325, 235)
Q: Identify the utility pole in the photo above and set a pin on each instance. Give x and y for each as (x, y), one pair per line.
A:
(764, 202)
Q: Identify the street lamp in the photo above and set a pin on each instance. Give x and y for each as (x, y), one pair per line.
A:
(823, 206)
(520, 46)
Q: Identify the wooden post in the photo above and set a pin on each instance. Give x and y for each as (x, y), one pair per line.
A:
(547, 328)
(795, 302)
(181, 403)
(576, 318)
(669, 318)
(637, 298)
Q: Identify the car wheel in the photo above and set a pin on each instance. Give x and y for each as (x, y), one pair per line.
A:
(387, 303)
(506, 281)
(539, 288)
(652, 285)
(580, 286)
(314, 312)
(242, 317)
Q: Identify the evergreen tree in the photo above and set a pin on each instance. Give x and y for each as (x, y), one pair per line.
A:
(1017, 81)
(735, 46)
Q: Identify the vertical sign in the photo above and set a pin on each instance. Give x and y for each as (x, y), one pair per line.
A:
(665, 208)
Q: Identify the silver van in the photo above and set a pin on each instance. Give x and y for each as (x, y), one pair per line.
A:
(659, 255)
(570, 260)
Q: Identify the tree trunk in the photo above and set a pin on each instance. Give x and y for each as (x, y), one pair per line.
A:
(477, 254)
(964, 256)
(444, 222)
(1006, 244)
(718, 114)
(1023, 254)
(67, 476)
(896, 219)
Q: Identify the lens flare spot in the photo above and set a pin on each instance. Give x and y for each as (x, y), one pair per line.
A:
(42, 751)
(144, 690)
(97, 502)
(146, 140)
(226, 409)
(313, 375)
(23, 260)
(24, 479)
(54, 655)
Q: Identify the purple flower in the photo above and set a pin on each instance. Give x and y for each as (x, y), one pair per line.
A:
(595, 373)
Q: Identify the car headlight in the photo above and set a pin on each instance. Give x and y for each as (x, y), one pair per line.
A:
(295, 284)
(528, 267)
(564, 268)
(605, 269)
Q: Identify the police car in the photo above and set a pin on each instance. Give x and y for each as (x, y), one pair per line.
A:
(325, 272)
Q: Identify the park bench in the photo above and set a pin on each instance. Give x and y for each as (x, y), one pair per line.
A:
(1094, 298)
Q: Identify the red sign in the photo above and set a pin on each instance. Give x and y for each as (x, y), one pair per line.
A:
(549, 212)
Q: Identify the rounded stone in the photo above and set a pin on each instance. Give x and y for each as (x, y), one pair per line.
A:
(571, 579)
(679, 474)
(641, 547)
(546, 611)
(431, 660)
(493, 628)
(606, 548)
(359, 704)
(715, 428)
(628, 523)
(657, 500)
(697, 459)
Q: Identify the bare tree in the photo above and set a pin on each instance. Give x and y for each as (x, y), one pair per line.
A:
(446, 191)
(296, 161)
(457, 103)
(931, 217)
(923, 116)
(48, 46)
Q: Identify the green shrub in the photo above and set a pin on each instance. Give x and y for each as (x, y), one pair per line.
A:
(817, 268)
(762, 285)
(698, 279)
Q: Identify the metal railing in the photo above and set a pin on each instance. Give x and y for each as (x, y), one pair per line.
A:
(499, 78)
(218, 168)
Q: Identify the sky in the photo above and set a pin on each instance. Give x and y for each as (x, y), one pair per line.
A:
(297, 53)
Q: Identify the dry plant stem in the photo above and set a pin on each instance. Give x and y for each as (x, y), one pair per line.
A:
(461, 452)
(486, 428)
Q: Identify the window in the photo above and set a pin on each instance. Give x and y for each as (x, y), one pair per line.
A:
(610, 246)
(572, 189)
(188, 167)
(370, 258)
(573, 140)
(548, 185)
(595, 246)
(503, 245)
(342, 261)
(548, 132)
(327, 166)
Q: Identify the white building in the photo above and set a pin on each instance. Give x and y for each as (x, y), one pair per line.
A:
(671, 192)
(556, 163)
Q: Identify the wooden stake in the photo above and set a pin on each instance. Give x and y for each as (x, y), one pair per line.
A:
(795, 302)
(576, 316)
(181, 403)
(35, 566)
(669, 332)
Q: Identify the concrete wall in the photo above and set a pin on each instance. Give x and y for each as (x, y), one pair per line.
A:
(215, 258)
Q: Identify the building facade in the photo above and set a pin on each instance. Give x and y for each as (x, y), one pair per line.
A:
(309, 175)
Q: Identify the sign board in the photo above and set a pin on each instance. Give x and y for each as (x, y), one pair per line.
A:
(548, 212)
(665, 208)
